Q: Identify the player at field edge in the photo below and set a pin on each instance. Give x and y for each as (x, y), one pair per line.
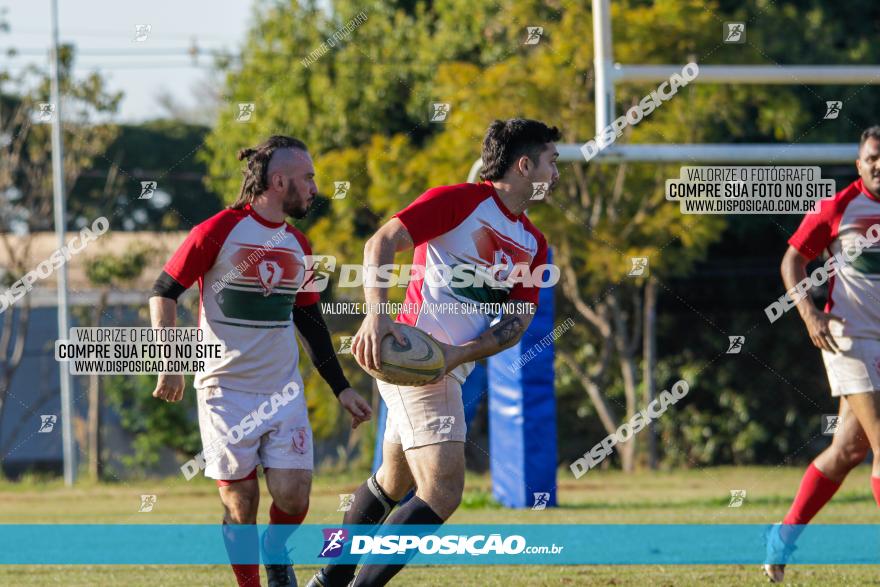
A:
(482, 224)
(250, 265)
(848, 334)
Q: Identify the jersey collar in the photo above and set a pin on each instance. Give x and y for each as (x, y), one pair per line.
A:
(250, 210)
(498, 202)
(861, 187)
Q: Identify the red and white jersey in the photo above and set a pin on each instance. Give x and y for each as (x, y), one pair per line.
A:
(465, 224)
(249, 272)
(854, 292)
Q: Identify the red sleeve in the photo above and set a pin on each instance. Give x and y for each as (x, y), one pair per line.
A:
(304, 298)
(818, 230)
(441, 209)
(196, 255)
(521, 292)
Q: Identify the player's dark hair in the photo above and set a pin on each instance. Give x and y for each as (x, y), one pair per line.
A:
(256, 180)
(508, 140)
(872, 132)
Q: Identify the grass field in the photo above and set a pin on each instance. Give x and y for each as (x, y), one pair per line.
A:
(699, 496)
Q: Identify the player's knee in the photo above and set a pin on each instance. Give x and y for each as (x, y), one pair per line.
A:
(241, 503)
(242, 510)
(293, 500)
(444, 496)
(399, 490)
(395, 483)
(854, 455)
(452, 484)
(455, 483)
(293, 504)
(846, 456)
(444, 503)
(455, 494)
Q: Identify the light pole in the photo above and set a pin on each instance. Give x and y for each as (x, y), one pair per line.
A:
(60, 225)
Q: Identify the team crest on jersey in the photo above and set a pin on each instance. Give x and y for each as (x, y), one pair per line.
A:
(270, 273)
(499, 259)
(261, 284)
(496, 248)
(503, 266)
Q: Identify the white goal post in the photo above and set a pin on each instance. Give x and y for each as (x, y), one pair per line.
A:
(608, 73)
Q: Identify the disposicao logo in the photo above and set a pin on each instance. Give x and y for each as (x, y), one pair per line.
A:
(334, 540)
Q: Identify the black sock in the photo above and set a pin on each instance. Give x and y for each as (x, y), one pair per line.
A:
(371, 506)
(415, 512)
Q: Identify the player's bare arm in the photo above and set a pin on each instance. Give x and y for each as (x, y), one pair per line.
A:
(794, 269)
(163, 314)
(379, 250)
(503, 335)
(315, 338)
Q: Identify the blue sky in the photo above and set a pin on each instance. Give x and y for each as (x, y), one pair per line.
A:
(107, 28)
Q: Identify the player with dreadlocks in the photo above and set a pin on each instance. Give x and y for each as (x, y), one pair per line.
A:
(251, 265)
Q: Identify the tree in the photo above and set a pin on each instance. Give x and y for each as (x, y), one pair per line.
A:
(106, 273)
(163, 151)
(156, 426)
(362, 107)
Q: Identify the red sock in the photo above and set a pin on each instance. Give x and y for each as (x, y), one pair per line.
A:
(279, 516)
(243, 541)
(815, 491)
(281, 526)
(247, 575)
(875, 487)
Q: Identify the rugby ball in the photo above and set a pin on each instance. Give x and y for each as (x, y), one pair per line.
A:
(417, 362)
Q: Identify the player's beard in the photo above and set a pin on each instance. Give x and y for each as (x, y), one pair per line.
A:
(551, 185)
(296, 205)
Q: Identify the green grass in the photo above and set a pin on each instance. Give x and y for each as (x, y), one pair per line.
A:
(698, 496)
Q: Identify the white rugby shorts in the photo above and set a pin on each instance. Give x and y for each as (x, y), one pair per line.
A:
(423, 415)
(241, 430)
(856, 368)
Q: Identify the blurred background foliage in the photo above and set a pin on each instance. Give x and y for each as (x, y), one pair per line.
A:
(364, 110)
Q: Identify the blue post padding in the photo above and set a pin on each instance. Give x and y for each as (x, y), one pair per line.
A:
(380, 434)
(471, 393)
(522, 415)
(473, 390)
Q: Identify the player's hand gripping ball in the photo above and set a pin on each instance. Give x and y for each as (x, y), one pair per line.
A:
(417, 362)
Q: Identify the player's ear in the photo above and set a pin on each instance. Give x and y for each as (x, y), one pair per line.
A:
(276, 180)
(524, 165)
